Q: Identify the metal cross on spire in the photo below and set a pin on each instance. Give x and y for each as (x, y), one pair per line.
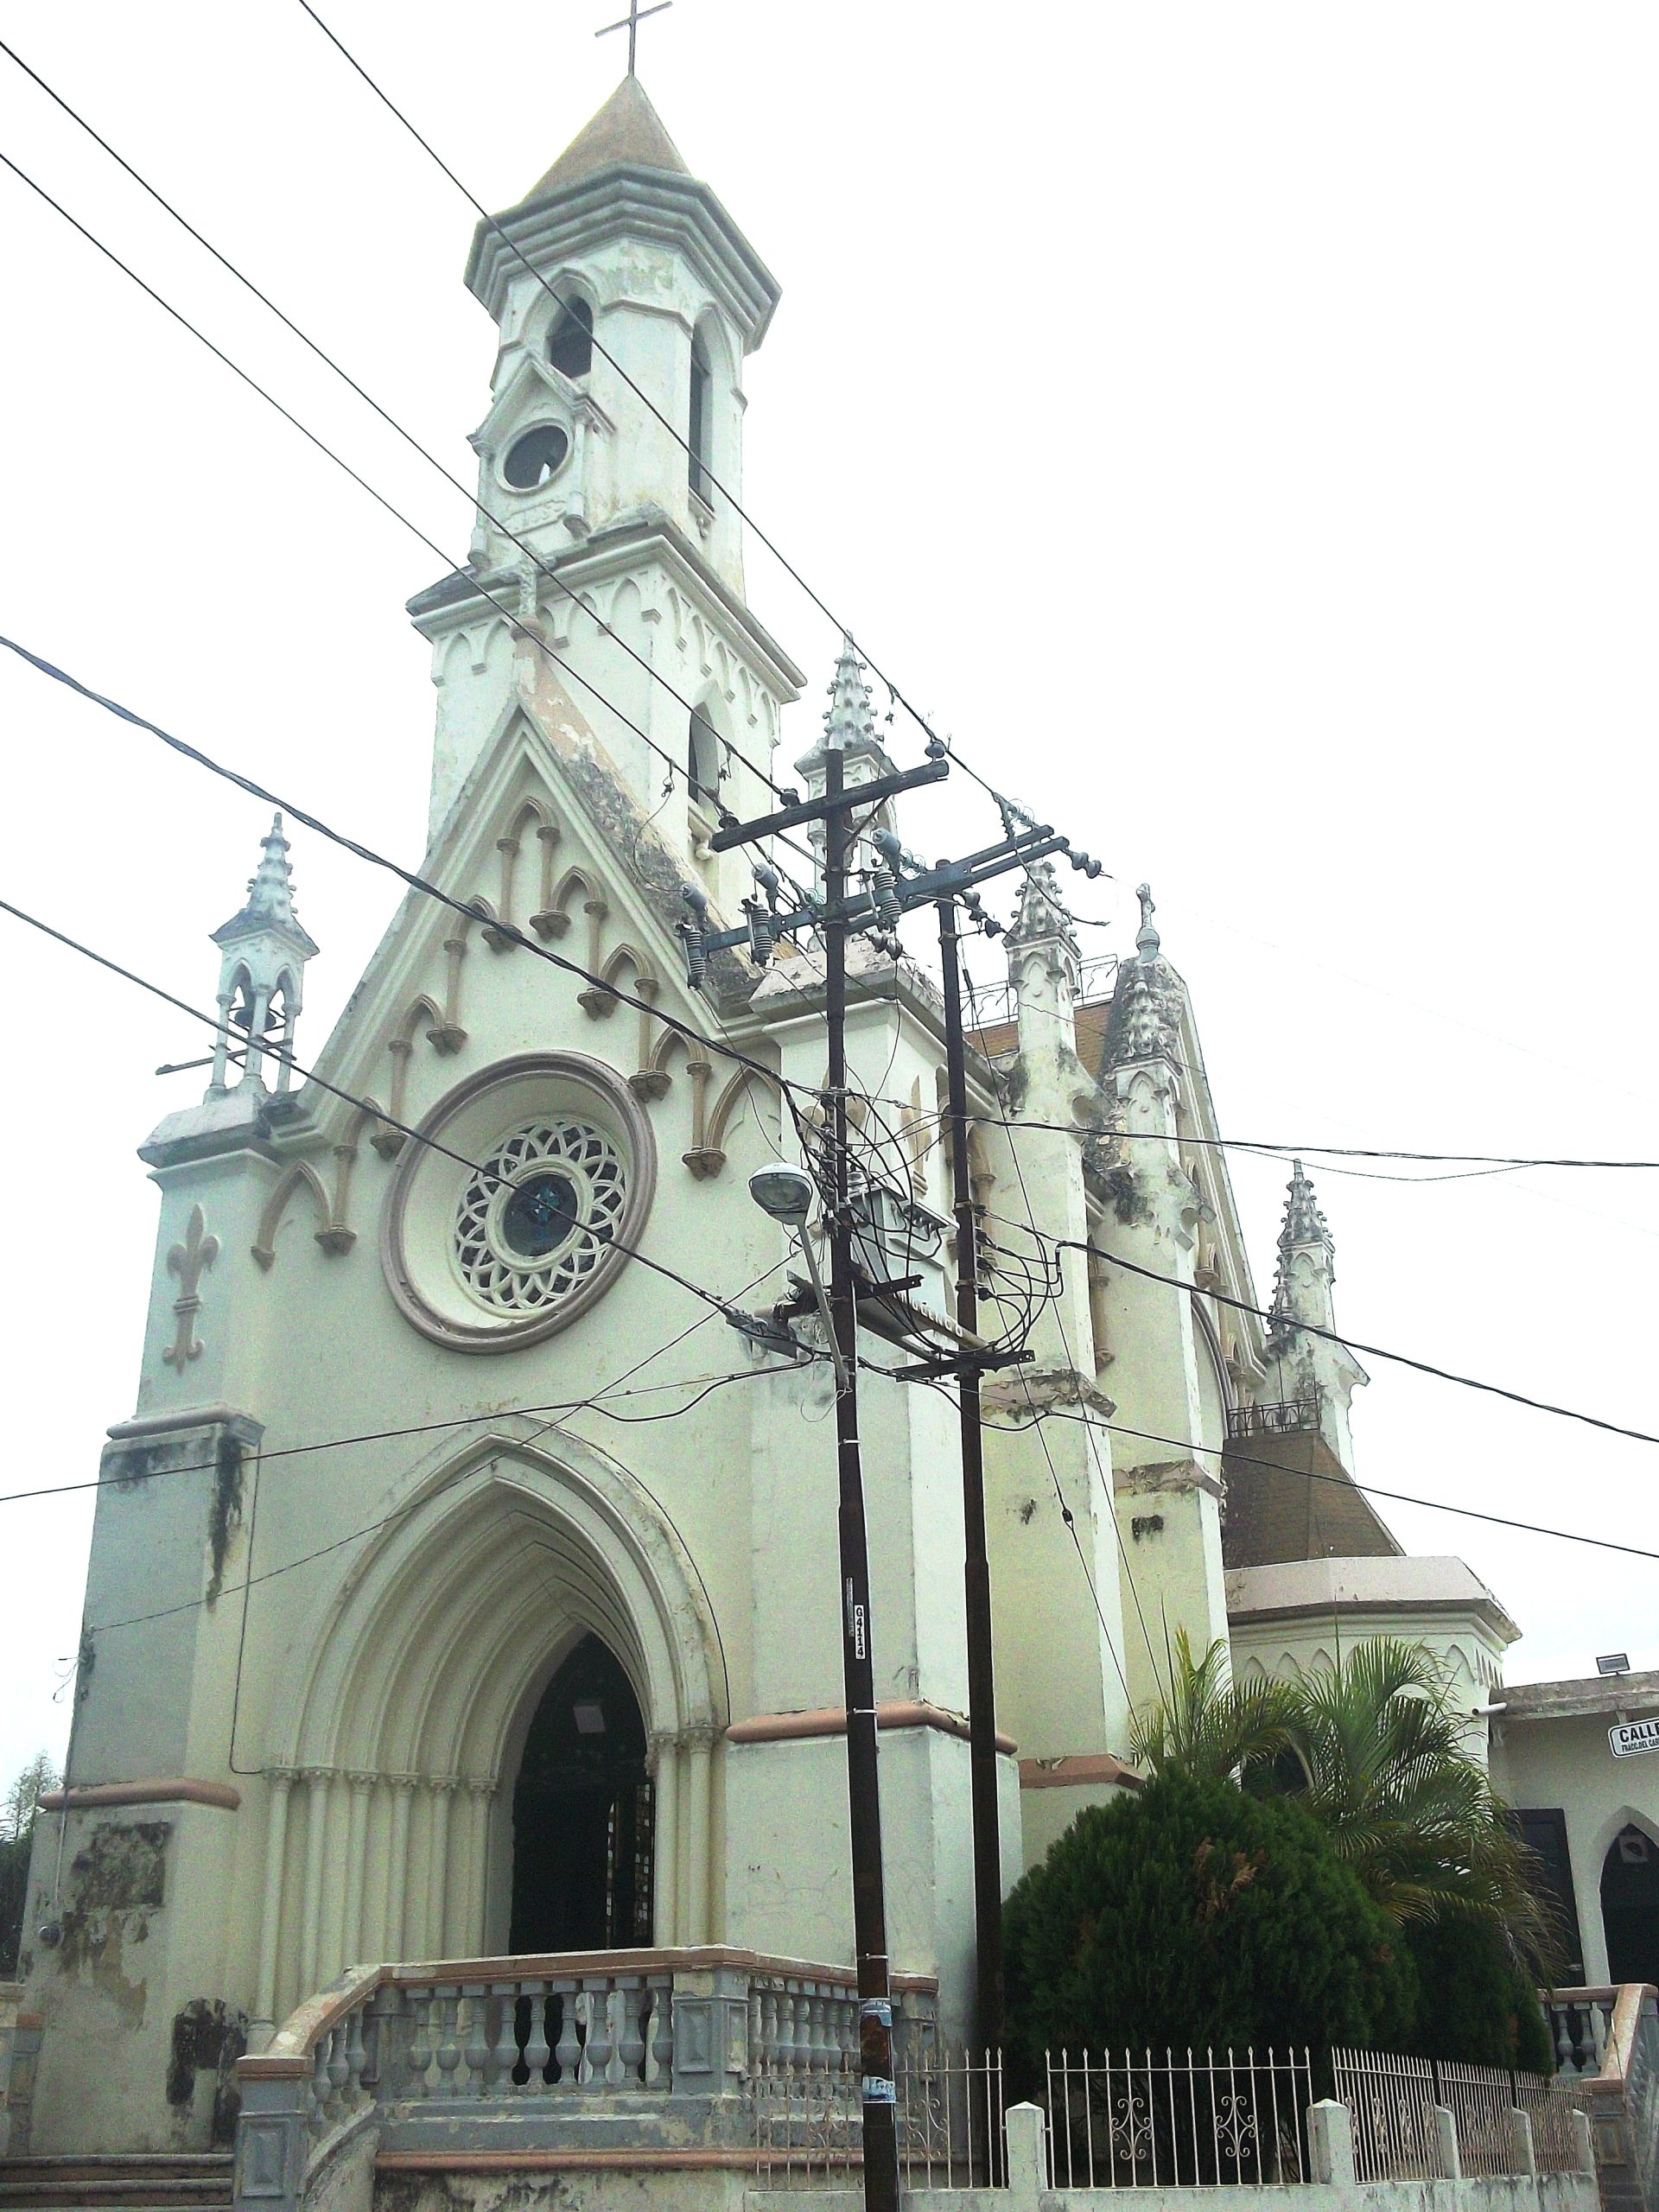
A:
(631, 23)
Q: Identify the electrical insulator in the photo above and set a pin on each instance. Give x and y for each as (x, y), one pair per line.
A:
(885, 894)
(757, 914)
(693, 930)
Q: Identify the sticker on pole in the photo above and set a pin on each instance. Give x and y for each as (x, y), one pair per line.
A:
(875, 2050)
(1629, 1737)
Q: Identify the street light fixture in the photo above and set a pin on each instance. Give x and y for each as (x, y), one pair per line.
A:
(786, 1194)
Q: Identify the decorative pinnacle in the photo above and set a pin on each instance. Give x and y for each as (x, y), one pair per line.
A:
(850, 718)
(271, 887)
(1148, 941)
(1041, 913)
(1304, 1224)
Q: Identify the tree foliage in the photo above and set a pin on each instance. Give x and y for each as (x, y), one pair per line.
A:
(17, 1812)
(1210, 1726)
(1192, 1915)
(1478, 2003)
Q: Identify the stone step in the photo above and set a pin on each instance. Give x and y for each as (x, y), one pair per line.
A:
(162, 2181)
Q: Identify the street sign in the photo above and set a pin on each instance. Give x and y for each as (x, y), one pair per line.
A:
(1629, 1737)
(1614, 1663)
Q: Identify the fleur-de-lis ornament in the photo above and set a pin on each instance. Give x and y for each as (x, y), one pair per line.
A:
(189, 1261)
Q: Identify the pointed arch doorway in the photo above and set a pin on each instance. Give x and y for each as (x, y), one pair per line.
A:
(582, 1825)
(1630, 1906)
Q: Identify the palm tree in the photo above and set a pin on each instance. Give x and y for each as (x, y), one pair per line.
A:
(1384, 1772)
(1372, 1749)
(1211, 1728)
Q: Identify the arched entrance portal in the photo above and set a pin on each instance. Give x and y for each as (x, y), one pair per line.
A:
(581, 1813)
(1630, 1906)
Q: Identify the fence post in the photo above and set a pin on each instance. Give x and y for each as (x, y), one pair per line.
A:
(1331, 2141)
(1584, 2143)
(1523, 2158)
(1448, 2164)
(1027, 2155)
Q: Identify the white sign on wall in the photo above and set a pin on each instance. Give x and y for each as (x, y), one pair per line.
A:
(1629, 1737)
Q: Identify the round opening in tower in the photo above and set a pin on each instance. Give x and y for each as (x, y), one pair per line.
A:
(536, 458)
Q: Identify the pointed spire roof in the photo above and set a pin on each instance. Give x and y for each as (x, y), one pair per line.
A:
(626, 129)
(270, 896)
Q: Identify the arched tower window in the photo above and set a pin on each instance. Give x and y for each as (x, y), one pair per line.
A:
(702, 762)
(700, 436)
(570, 341)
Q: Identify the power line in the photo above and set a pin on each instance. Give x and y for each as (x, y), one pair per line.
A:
(673, 429)
(410, 1505)
(350, 1098)
(390, 419)
(417, 1428)
(1330, 1335)
(1105, 1474)
(407, 876)
(1370, 1490)
(501, 607)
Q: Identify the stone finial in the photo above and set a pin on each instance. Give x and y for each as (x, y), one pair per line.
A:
(1148, 941)
(850, 720)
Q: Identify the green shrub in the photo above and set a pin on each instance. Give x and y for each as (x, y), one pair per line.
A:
(1192, 1914)
(1478, 2004)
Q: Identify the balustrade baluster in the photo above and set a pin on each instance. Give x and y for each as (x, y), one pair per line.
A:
(630, 2043)
(477, 2052)
(803, 2035)
(786, 2030)
(504, 2059)
(420, 2043)
(357, 2060)
(601, 2045)
(567, 2054)
(538, 2052)
(448, 2043)
(662, 2034)
(769, 2028)
(338, 2072)
(322, 2088)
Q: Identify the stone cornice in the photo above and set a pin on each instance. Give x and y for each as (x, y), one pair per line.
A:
(458, 598)
(171, 1790)
(626, 198)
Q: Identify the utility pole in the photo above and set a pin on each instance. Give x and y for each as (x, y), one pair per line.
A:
(976, 1571)
(858, 1669)
(898, 884)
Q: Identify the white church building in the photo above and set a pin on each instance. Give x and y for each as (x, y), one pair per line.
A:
(463, 1585)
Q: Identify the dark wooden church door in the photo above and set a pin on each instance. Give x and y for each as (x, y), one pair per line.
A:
(582, 1815)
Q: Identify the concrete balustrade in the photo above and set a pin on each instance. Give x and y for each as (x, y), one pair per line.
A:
(484, 2062)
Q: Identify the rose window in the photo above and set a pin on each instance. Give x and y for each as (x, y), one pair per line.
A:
(535, 1220)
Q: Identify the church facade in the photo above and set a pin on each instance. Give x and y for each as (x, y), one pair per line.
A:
(464, 1582)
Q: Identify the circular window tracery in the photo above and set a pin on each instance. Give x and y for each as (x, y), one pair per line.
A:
(525, 1206)
(535, 1220)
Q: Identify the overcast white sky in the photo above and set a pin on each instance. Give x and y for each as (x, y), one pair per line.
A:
(1234, 422)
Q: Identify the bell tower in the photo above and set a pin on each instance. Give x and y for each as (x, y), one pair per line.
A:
(626, 301)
